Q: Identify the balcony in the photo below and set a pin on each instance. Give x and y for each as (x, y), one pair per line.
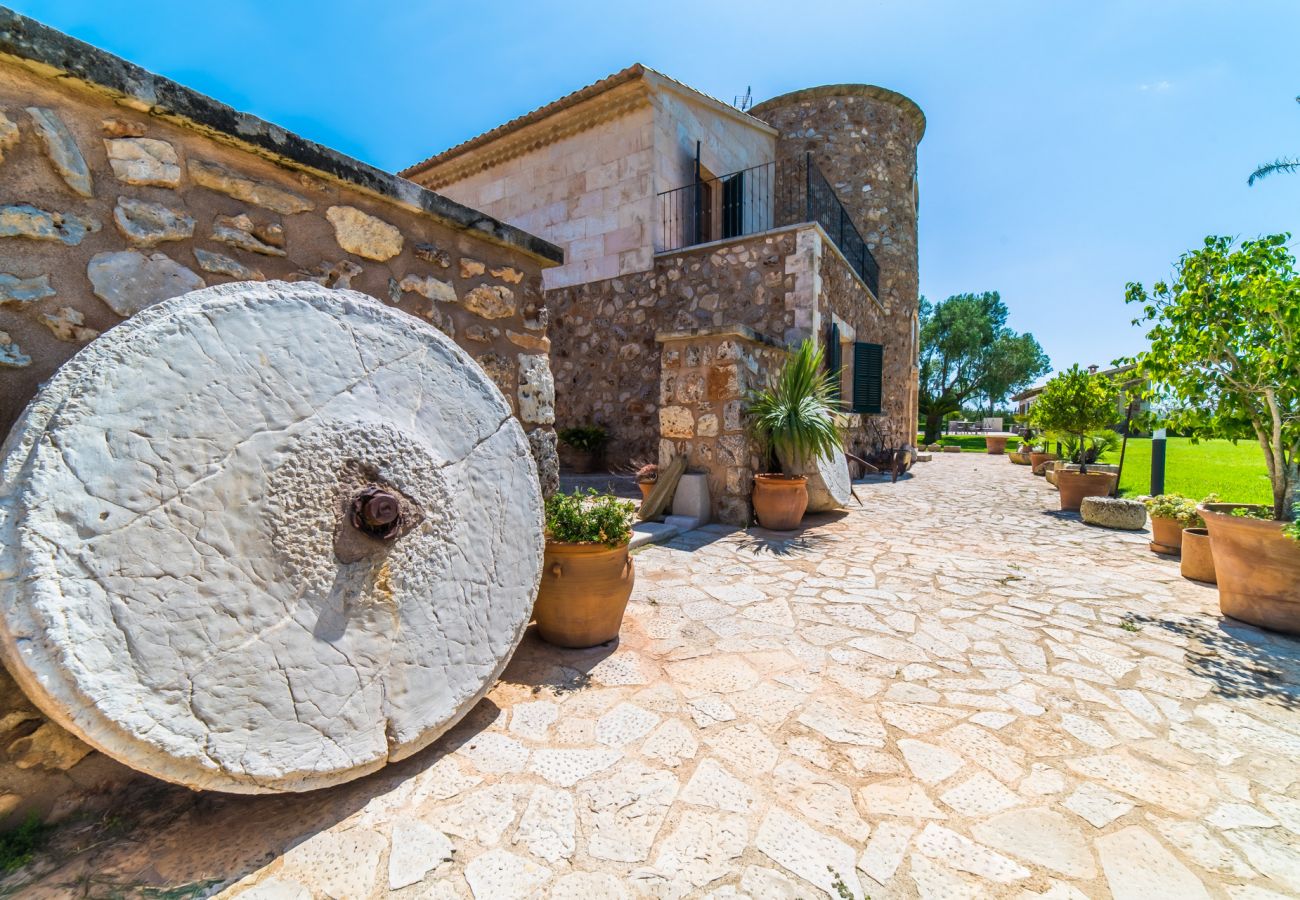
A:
(758, 199)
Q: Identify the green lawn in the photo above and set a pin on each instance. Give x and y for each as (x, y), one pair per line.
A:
(1236, 472)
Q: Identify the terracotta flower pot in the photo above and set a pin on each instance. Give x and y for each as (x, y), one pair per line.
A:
(646, 487)
(1257, 567)
(1166, 535)
(780, 501)
(1039, 461)
(1198, 561)
(583, 461)
(583, 593)
(1074, 486)
(995, 445)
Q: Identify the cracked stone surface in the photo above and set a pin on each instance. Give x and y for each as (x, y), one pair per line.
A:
(951, 710)
(169, 588)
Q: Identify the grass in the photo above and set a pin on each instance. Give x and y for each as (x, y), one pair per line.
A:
(19, 845)
(1236, 472)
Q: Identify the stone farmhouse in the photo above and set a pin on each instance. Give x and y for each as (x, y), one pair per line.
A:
(698, 239)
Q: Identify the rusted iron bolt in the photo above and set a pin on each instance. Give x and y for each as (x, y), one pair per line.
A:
(377, 512)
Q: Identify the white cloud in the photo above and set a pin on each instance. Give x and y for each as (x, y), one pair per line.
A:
(1158, 87)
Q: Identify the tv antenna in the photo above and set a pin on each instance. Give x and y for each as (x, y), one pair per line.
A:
(745, 102)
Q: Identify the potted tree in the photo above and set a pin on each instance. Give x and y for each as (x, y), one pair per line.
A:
(586, 445)
(587, 574)
(1225, 349)
(1072, 405)
(793, 415)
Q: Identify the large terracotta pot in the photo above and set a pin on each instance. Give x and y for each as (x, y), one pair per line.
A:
(583, 461)
(1074, 486)
(646, 487)
(1258, 569)
(780, 501)
(995, 445)
(583, 593)
(1198, 560)
(1166, 535)
(1039, 461)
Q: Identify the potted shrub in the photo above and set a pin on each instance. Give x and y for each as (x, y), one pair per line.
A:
(587, 574)
(646, 476)
(1225, 352)
(1073, 405)
(586, 445)
(793, 416)
(1170, 515)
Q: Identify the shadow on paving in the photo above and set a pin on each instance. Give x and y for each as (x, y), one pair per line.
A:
(1241, 661)
(131, 851)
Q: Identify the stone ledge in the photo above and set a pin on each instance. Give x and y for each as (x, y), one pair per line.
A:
(53, 54)
(744, 332)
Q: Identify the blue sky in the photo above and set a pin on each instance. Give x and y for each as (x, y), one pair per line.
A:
(1072, 147)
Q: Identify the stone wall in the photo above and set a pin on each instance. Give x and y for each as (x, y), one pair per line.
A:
(121, 189)
(706, 375)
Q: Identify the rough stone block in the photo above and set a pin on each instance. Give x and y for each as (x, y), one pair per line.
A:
(143, 161)
(217, 177)
(676, 422)
(129, 281)
(692, 496)
(1114, 512)
(62, 150)
(363, 234)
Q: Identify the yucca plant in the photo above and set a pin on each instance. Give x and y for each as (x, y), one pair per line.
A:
(794, 413)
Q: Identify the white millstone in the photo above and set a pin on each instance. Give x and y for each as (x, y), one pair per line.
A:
(829, 483)
(61, 147)
(129, 281)
(143, 161)
(199, 625)
(363, 234)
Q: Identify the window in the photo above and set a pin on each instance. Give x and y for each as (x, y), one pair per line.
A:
(868, 366)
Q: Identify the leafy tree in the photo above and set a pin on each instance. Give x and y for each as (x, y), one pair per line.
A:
(1225, 347)
(967, 351)
(1291, 164)
(1073, 405)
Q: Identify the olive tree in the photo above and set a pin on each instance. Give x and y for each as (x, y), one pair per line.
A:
(1074, 404)
(1225, 347)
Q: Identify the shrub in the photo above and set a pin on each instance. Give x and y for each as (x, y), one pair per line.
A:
(1075, 404)
(795, 412)
(589, 518)
(1177, 507)
(588, 438)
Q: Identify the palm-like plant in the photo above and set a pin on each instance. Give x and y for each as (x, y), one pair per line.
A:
(794, 413)
(1291, 164)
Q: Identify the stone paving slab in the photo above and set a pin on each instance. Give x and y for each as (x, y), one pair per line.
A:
(951, 691)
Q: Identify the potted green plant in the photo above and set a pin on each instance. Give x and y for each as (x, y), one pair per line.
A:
(792, 415)
(1072, 405)
(1170, 515)
(1225, 354)
(587, 574)
(586, 445)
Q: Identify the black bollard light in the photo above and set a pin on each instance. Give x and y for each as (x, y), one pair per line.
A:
(1157, 462)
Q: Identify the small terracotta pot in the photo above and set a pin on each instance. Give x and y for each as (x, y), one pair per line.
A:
(583, 593)
(1074, 486)
(1257, 568)
(780, 501)
(995, 445)
(1198, 560)
(1039, 461)
(1166, 535)
(646, 487)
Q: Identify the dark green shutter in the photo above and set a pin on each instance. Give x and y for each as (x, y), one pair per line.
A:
(868, 364)
(834, 362)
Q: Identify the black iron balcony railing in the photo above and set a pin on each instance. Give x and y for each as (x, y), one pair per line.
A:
(759, 199)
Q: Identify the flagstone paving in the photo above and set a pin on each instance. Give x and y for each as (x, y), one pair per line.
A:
(951, 691)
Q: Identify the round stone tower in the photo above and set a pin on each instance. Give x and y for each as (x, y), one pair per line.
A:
(863, 138)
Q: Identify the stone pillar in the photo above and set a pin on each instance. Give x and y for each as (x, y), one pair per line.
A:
(705, 376)
(864, 139)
